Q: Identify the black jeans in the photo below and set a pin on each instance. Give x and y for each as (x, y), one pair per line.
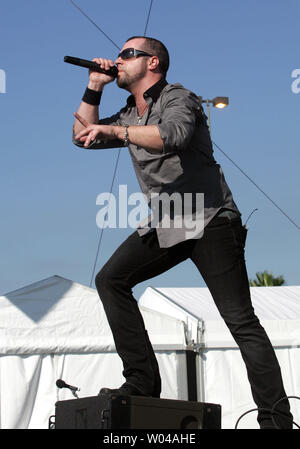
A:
(219, 257)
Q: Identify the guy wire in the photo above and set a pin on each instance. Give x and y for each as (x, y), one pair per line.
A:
(102, 229)
(147, 21)
(117, 161)
(85, 15)
(257, 186)
(115, 170)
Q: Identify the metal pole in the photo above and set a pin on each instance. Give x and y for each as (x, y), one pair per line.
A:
(208, 114)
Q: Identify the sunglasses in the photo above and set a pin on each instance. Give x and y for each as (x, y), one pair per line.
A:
(132, 53)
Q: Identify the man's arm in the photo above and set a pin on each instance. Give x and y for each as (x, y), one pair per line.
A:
(147, 137)
(89, 111)
(180, 111)
(97, 81)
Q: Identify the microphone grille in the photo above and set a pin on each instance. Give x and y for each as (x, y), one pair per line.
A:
(60, 383)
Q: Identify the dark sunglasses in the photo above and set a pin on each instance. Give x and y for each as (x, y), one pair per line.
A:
(132, 53)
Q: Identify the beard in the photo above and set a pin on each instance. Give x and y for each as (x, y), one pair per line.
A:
(125, 80)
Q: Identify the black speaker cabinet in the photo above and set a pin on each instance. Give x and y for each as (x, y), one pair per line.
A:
(134, 412)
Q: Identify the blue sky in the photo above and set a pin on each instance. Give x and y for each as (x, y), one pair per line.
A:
(244, 50)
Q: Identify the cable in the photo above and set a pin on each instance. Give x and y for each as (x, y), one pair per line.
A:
(249, 411)
(271, 411)
(276, 403)
(254, 210)
(85, 15)
(147, 21)
(254, 183)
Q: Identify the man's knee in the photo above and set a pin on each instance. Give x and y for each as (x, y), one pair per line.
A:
(108, 280)
(102, 280)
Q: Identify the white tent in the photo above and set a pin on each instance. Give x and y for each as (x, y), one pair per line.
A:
(57, 329)
(221, 373)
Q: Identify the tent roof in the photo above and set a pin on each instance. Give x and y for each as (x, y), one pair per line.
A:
(278, 309)
(270, 303)
(57, 315)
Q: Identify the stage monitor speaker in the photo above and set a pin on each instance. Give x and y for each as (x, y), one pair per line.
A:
(134, 412)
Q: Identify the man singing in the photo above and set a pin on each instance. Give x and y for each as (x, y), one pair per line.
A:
(164, 127)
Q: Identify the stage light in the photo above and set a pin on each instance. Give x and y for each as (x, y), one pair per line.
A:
(220, 102)
(217, 102)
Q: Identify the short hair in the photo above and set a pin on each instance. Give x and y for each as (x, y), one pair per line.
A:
(157, 48)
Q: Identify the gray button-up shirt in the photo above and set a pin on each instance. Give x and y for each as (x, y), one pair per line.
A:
(184, 166)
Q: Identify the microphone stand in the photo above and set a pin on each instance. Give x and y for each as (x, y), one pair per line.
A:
(75, 394)
(62, 384)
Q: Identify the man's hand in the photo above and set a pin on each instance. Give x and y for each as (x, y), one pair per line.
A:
(147, 136)
(98, 80)
(91, 131)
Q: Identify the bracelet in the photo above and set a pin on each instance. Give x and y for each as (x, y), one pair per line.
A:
(126, 137)
(92, 97)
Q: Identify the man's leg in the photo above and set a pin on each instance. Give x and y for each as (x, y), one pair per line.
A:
(137, 259)
(219, 256)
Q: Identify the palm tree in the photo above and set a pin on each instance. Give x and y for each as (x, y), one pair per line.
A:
(266, 279)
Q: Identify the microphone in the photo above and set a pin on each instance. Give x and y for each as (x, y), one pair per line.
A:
(62, 384)
(113, 71)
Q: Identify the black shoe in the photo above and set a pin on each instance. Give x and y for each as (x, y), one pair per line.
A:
(126, 389)
(267, 424)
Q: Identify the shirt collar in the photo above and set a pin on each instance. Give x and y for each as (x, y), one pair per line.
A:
(153, 92)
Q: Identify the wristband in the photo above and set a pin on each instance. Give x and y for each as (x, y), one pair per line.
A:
(92, 97)
(126, 137)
